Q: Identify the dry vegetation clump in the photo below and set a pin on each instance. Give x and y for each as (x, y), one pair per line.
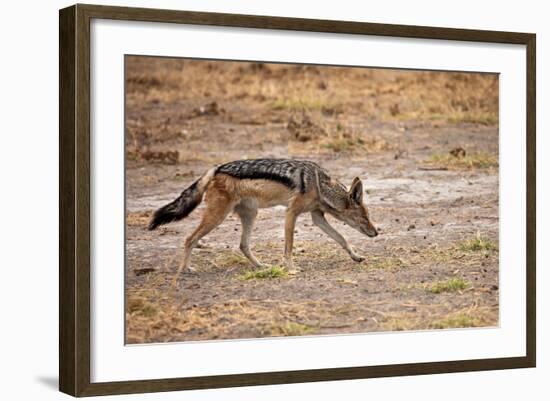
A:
(352, 142)
(140, 218)
(391, 94)
(478, 243)
(226, 260)
(289, 329)
(139, 144)
(162, 157)
(450, 285)
(459, 158)
(309, 103)
(451, 97)
(159, 320)
(474, 316)
(303, 129)
(308, 136)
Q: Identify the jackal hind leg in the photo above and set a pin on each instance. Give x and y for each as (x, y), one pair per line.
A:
(247, 212)
(320, 221)
(217, 209)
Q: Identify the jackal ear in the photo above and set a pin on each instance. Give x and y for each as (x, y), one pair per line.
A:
(356, 190)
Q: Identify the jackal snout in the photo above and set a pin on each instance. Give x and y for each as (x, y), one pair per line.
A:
(371, 230)
(358, 218)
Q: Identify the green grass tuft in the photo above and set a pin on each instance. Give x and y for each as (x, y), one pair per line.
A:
(453, 284)
(269, 273)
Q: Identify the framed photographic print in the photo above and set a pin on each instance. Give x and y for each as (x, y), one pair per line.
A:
(250, 200)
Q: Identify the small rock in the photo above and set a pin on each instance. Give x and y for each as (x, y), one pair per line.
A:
(458, 152)
(411, 227)
(141, 272)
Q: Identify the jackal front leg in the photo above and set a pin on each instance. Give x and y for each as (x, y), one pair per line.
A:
(290, 223)
(320, 221)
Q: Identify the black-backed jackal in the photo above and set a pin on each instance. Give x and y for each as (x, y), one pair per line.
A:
(244, 186)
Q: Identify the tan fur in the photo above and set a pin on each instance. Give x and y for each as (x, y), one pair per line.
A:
(266, 193)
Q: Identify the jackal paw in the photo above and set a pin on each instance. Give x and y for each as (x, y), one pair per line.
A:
(294, 270)
(191, 270)
(260, 265)
(357, 258)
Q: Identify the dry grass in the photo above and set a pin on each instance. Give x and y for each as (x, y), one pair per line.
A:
(321, 135)
(157, 313)
(226, 260)
(289, 329)
(375, 262)
(141, 306)
(459, 320)
(476, 160)
(252, 319)
(456, 97)
(138, 218)
(166, 319)
(176, 95)
(477, 244)
(450, 285)
(354, 143)
(307, 103)
(483, 118)
(426, 319)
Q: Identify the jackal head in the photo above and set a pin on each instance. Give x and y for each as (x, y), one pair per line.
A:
(348, 206)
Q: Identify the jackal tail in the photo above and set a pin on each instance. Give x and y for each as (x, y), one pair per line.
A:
(184, 204)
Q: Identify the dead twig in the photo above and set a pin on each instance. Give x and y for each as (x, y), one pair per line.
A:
(433, 168)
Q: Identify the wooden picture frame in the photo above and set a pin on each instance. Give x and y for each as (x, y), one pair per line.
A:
(74, 203)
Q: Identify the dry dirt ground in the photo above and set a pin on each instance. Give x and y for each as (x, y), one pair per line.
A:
(424, 143)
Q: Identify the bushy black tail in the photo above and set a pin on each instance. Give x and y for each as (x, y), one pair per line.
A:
(178, 208)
